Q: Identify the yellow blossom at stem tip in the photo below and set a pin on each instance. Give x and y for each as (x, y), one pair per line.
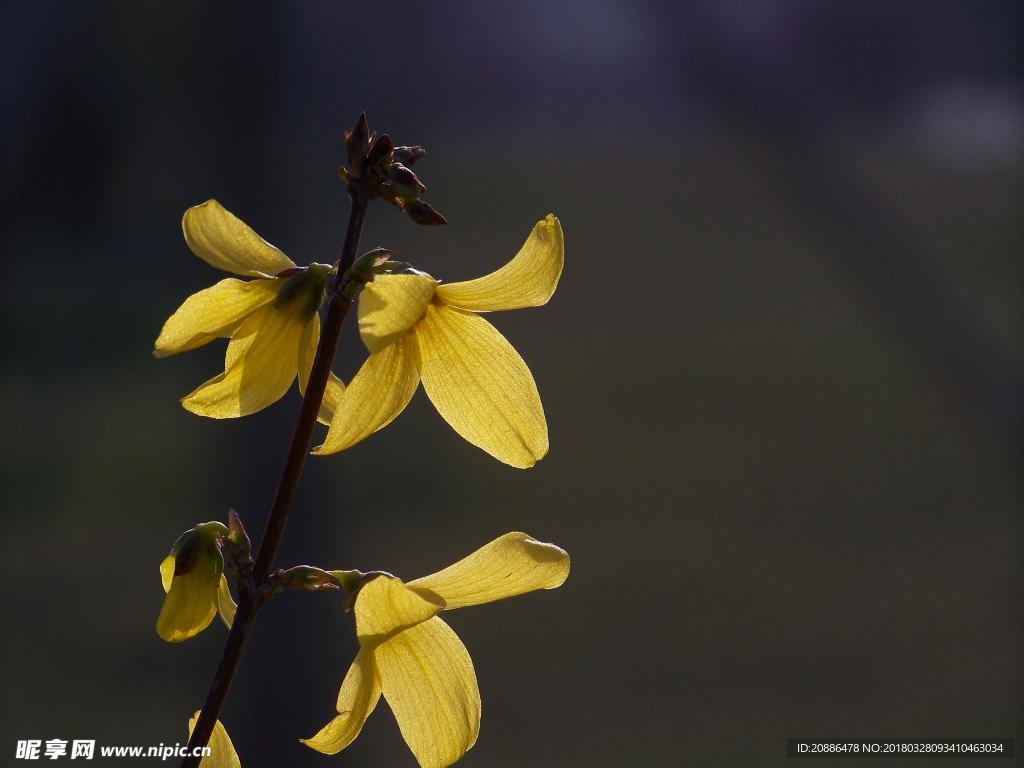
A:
(271, 320)
(415, 660)
(417, 329)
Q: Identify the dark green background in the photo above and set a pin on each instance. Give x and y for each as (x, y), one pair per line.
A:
(782, 371)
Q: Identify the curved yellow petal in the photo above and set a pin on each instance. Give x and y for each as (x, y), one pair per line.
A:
(224, 241)
(189, 606)
(391, 305)
(385, 606)
(528, 280)
(222, 751)
(213, 312)
(481, 386)
(307, 353)
(376, 395)
(428, 680)
(167, 572)
(359, 694)
(260, 365)
(510, 565)
(226, 605)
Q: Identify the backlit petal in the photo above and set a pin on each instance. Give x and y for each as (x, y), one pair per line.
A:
(510, 565)
(360, 692)
(222, 751)
(307, 353)
(260, 365)
(375, 396)
(224, 241)
(213, 312)
(189, 606)
(167, 572)
(391, 305)
(528, 280)
(481, 386)
(226, 605)
(428, 680)
(385, 606)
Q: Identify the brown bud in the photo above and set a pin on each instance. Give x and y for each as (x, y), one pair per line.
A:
(409, 155)
(406, 183)
(424, 213)
(358, 138)
(379, 149)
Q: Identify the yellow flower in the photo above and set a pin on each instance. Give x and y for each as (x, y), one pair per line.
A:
(418, 329)
(408, 654)
(272, 320)
(193, 578)
(222, 751)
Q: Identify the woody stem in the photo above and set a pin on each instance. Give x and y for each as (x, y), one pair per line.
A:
(249, 589)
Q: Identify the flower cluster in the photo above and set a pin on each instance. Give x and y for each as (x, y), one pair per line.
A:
(416, 329)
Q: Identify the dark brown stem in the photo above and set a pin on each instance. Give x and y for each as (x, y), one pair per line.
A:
(250, 593)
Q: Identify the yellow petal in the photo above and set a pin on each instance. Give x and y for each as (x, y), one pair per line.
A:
(222, 751)
(224, 241)
(307, 353)
(481, 386)
(226, 605)
(167, 572)
(189, 606)
(510, 565)
(376, 395)
(360, 692)
(528, 280)
(260, 365)
(428, 680)
(213, 312)
(391, 305)
(385, 606)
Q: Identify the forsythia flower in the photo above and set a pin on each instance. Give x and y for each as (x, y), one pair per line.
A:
(408, 654)
(222, 751)
(193, 578)
(272, 321)
(419, 329)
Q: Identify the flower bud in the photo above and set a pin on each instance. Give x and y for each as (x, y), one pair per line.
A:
(424, 213)
(379, 149)
(405, 182)
(357, 140)
(409, 155)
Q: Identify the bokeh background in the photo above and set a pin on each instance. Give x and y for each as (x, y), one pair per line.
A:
(782, 371)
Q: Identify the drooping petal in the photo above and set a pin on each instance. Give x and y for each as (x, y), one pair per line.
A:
(391, 305)
(307, 353)
(189, 606)
(222, 751)
(385, 606)
(481, 386)
(528, 280)
(167, 572)
(376, 395)
(226, 605)
(260, 365)
(213, 312)
(510, 565)
(224, 241)
(428, 680)
(359, 694)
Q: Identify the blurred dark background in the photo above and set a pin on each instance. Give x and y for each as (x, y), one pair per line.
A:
(782, 371)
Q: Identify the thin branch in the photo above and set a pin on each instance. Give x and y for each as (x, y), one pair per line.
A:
(250, 590)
